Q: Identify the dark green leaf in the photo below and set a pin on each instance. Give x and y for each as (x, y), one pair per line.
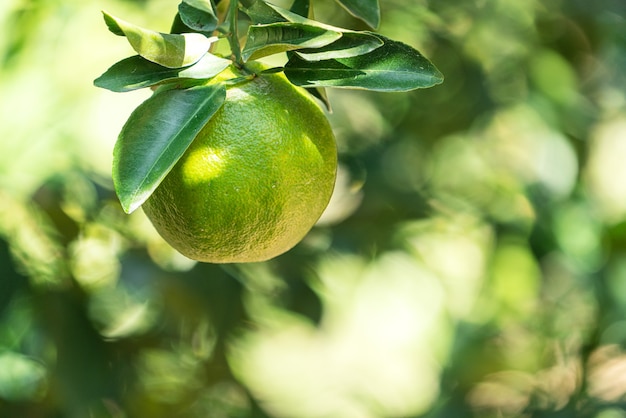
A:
(302, 8)
(392, 67)
(198, 15)
(349, 45)
(356, 43)
(265, 13)
(137, 72)
(272, 70)
(178, 26)
(366, 10)
(285, 36)
(169, 50)
(156, 135)
(247, 3)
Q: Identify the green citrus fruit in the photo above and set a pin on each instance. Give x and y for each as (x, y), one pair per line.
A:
(255, 179)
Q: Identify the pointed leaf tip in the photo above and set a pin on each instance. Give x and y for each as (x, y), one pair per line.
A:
(366, 10)
(137, 72)
(392, 67)
(168, 50)
(156, 135)
(112, 24)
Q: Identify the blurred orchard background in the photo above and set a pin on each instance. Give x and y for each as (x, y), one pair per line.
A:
(472, 262)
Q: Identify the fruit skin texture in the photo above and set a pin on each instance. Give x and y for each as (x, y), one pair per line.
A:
(255, 179)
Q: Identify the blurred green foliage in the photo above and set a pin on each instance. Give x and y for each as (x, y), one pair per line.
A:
(472, 262)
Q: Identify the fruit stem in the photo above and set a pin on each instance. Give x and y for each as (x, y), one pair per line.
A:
(233, 37)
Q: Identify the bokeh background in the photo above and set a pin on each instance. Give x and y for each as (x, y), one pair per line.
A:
(472, 262)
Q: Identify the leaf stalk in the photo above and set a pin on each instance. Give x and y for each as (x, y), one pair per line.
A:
(233, 37)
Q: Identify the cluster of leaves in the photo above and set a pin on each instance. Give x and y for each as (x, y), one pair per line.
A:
(184, 68)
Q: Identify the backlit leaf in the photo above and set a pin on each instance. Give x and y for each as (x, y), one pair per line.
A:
(261, 13)
(349, 45)
(355, 43)
(136, 72)
(392, 67)
(264, 13)
(156, 135)
(296, 18)
(169, 50)
(272, 38)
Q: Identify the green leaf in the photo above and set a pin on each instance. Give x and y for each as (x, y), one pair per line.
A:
(169, 50)
(265, 13)
(156, 135)
(272, 38)
(261, 13)
(366, 10)
(112, 24)
(302, 8)
(296, 18)
(198, 15)
(392, 67)
(137, 72)
(349, 45)
(247, 3)
(178, 26)
(320, 94)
